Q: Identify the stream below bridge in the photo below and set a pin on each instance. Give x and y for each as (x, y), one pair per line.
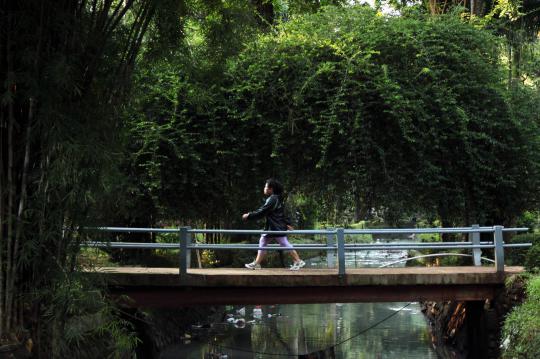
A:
(337, 330)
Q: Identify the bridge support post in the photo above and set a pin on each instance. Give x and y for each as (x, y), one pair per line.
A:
(185, 252)
(499, 249)
(341, 251)
(474, 238)
(330, 254)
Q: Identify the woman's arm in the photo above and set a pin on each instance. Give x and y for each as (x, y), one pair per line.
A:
(269, 205)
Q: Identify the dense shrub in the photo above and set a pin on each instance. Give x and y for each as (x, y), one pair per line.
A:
(521, 331)
(532, 259)
(524, 256)
(393, 112)
(352, 110)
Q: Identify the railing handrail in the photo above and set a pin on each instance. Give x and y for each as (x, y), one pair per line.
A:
(423, 245)
(185, 244)
(433, 230)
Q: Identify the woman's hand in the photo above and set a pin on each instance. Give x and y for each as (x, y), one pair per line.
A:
(245, 216)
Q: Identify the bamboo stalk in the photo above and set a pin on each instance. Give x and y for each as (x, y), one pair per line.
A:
(94, 48)
(22, 199)
(2, 221)
(3, 46)
(60, 245)
(93, 12)
(20, 319)
(136, 35)
(116, 16)
(15, 310)
(11, 193)
(80, 9)
(103, 15)
(2, 192)
(133, 35)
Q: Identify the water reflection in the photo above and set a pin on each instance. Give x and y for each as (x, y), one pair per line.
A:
(352, 330)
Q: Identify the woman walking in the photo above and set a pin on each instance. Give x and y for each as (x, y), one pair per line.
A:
(276, 220)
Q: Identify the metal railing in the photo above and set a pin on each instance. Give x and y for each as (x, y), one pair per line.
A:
(335, 242)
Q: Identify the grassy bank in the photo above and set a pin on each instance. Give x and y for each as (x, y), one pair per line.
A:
(521, 330)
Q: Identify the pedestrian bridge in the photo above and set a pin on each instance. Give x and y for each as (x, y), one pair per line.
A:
(162, 287)
(184, 286)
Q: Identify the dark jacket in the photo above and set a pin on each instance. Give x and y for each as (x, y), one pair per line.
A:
(274, 211)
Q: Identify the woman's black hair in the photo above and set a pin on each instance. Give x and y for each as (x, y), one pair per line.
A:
(277, 187)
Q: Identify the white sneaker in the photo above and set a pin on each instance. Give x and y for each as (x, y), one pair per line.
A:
(298, 265)
(252, 265)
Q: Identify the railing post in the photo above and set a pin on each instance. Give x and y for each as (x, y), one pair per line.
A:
(499, 249)
(341, 251)
(330, 254)
(185, 253)
(474, 238)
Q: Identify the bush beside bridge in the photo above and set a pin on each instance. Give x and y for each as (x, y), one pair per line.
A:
(521, 330)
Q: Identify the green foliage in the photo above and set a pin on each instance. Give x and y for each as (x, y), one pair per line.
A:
(507, 8)
(532, 260)
(387, 112)
(352, 110)
(526, 256)
(65, 71)
(183, 156)
(208, 258)
(84, 322)
(181, 148)
(429, 237)
(529, 219)
(302, 209)
(94, 257)
(521, 330)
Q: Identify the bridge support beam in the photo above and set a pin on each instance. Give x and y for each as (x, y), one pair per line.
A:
(475, 239)
(185, 252)
(330, 254)
(499, 249)
(192, 296)
(341, 251)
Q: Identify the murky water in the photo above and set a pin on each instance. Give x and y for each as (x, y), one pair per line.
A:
(341, 331)
(359, 330)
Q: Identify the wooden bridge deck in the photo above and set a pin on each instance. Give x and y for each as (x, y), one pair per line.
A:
(282, 277)
(164, 287)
